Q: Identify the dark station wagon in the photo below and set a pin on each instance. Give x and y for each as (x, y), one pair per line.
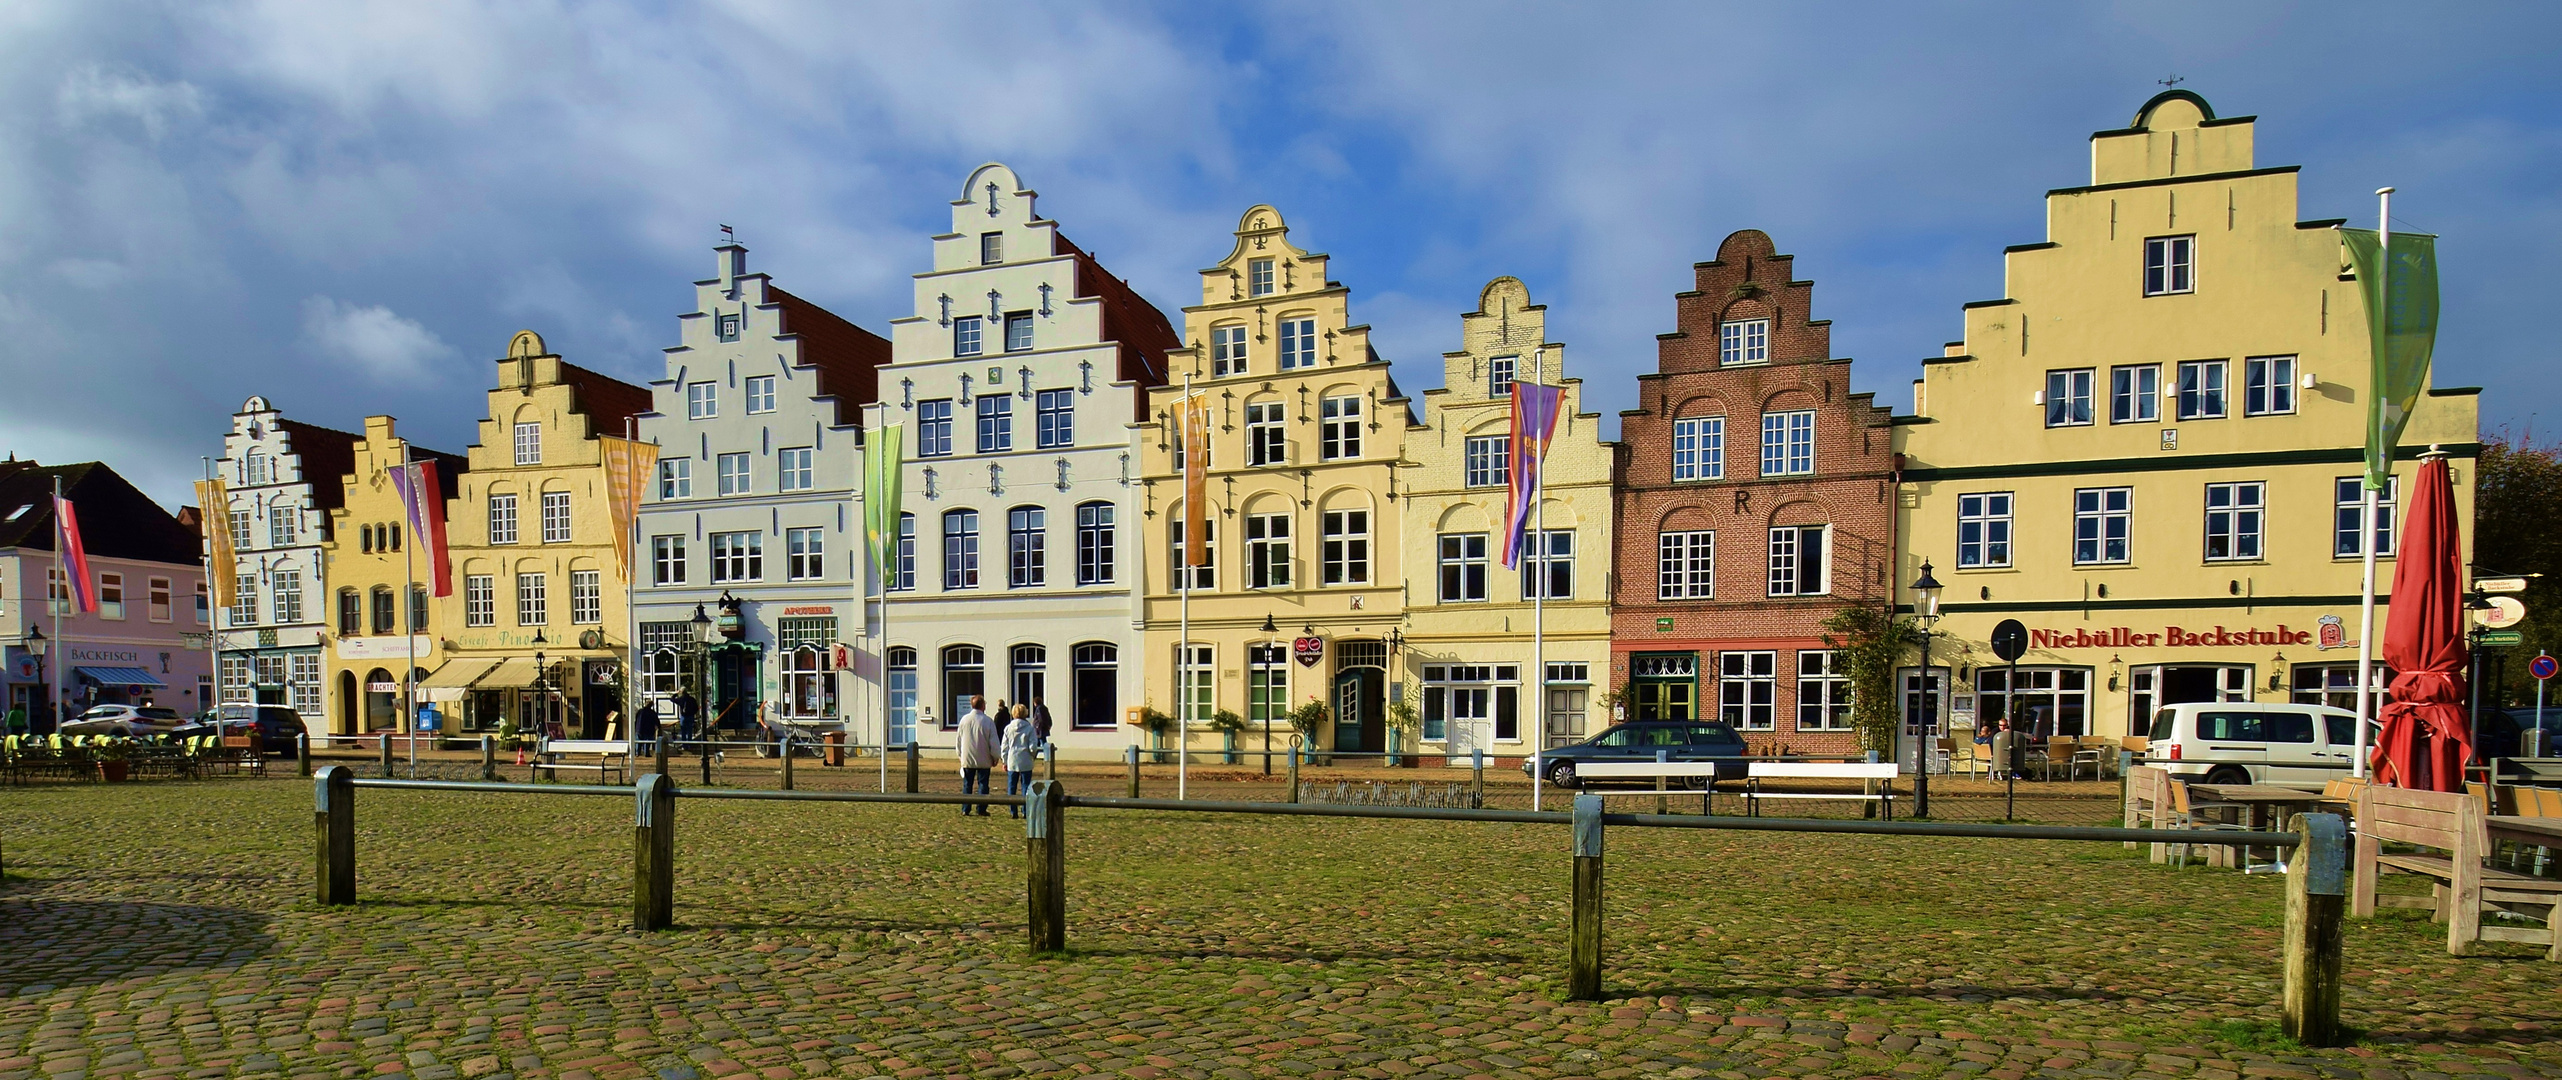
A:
(1641, 740)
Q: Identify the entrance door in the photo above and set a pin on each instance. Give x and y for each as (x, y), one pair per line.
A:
(1359, 711)
(1922, 698)
(1666, 699)
(733, 688)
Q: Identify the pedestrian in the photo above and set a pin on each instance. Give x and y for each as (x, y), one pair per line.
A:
(645, 726)
(2006, 751)
(1016, 748)
(1041, 718)
(686, 708)
(17, 720)
(978, 752)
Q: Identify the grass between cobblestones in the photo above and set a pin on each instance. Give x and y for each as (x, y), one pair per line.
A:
(166, 929)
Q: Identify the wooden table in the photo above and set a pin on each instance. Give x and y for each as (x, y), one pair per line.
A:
(2532, 831)
(2264, 802)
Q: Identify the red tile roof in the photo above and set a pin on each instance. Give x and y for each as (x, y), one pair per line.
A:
(846, 357)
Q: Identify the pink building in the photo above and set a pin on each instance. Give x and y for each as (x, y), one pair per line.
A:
(151, 636)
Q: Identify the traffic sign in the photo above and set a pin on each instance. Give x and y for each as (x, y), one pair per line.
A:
(2544, 667)
(2010, 640)
(2503, 612)
(2492, 639)
(2499, 584)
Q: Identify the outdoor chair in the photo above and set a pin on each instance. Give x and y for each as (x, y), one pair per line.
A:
(2059, 754)
(2195, 817)
(1943, 757)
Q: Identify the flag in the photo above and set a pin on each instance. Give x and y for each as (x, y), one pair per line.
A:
(424, 502)
(74, 556)
(1192, 447)
(2401, 332)
(628, 465)
(222, 561)
(884, 470)
(1534, 423)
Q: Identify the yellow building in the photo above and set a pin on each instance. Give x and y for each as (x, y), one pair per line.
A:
(1303, 591)
(1468, 620)
(372, 563)
(533, 541)
(2148, 450)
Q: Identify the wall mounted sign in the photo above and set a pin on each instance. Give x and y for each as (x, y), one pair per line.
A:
(2127, 637)
(1309, 650)
(811, 609)
(1663, 624)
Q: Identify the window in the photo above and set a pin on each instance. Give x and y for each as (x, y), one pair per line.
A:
(236, 679)
(1748, 690)
(284, 525)
(1823, 692)
(1095, 543)
(1054, 418)
(964, 677)
(1027, 547)
(725, 327)
(1265, 439)
(1258, 277)
(1463, 567)
(555, 517)
(161, 611)
(2135, 394)
(1227, 350)
(667, 560)
(760, 394)
(1685, 565)
(902, 695)
(1499, 375)
(244, 600)
(675, 478)
(2268, 385)
(111, 595)
(417, 609)
(663, 662)
(385, 616)
(2201, 390)
(287, 585)
(1699, 448)
(1489, 461)
(996, 423)
(1018, 331)
(531, 602)
(1788, 443)
(1459, 699)
(305, 678)
(2068, 398)
(240, 529)
(1031, 670)
(1298, 344)
(2170, 265)
(1555, 564)
(802, 547)
(1339, 430)
(2046, 701)
(502, 517)
(204, 604)
(586, 597)
(2349, 505)
(738, 556)
(1204, 576)
(730, 474)
(991, 248)
(960, 549)
(1097, 669)
(1346, 547)
(1267, 551)
(1267, 686)
(905, 578)
(1799, 561)
(257, 468)
(965, 336)
(1743, 341)
(809, 689)
(792, 469)
(529, 443)
(934, 428)
(1983, 529)
(351, 613)
(702, 400)
(2101, 520)
(480, 600)
(2234, 520)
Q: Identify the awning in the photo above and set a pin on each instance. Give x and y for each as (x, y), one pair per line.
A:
(514, 672)
(118, 676)
(457, 674)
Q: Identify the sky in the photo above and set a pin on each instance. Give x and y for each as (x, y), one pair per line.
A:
(349, 206)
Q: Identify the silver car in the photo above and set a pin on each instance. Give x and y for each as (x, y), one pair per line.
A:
(125, 721)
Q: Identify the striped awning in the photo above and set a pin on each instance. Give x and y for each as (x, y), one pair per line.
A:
(118, 676)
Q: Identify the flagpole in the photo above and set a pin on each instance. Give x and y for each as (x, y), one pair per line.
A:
(62, 570)
(1183, 607)
(1539, 605)
(213, 636)
(2366, 517)
(631, 563)
(408, 607)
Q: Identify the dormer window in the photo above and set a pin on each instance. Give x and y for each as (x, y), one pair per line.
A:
(1743, 341)
(991, 248)
(1258, 277)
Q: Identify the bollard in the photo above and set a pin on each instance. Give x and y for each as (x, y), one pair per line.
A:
(787, 763)
(654, 855)
(1045, 865)
(302, 753)
(1478, 798)
(707, 761)
(1294, 768)
(488, 758)
(1662, 804)
(1050, 756)
(835, 750)
(386, 749)
(1583, 965)
(658, 749)
(333, 822)
(1133, 755)
(911, 766)
(2316, 898)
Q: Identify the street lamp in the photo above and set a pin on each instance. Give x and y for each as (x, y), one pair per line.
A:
(37, 645)
(705, 633)
(1926, 612)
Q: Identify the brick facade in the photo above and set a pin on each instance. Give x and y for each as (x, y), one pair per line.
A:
(1848, 492)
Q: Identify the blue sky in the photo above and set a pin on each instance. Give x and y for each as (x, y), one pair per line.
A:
(349, 206)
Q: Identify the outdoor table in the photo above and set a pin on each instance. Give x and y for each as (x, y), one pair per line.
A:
(2531, 831)
(2264, 801)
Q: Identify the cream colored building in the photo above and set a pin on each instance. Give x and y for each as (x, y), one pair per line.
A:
(381, 615)
(1468, 641)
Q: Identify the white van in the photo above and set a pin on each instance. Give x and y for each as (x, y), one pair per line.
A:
(2238, 742)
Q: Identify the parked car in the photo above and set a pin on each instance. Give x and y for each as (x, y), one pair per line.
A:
(125, 721)
(1639, 740)
(2247, 742)
(277, 725)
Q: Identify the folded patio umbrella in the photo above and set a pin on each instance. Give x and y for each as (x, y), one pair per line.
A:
(2425, 740)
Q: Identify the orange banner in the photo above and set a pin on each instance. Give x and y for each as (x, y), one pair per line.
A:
(629, 464)
(1193, 442)
(222, 563)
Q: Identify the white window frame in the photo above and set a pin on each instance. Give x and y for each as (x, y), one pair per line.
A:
(806, 552)
(934, 428)
(1462, 567)
(529, 442)
(480, 600)
(733, 474)
(284, 526)
(533, 601)
(1487, 461)
(1686, 564)
(760, 394)
(1984, 529)
(702, 400)
(1298, 343)
(1227, 350)
(1823, 692)
(1097, 540)
(502, 517)
(993, 420)
(1267, 551)
(2135, 394)
(793, 470)
(960, 549)
(1499, 373)
(1345, 548)
(968, 337)
(2092, 509)
(2170, 265)
(586, 597)
(2068, 397)
(667, 559)
(1339, 428)
(1554, 551)
(2237, 517)
(285, 589)
(1266, 436)
(2207, 396)
(1054, 419)
(1698, 448)
(1259, 279)
(1743, 342)
(1748, 689)
(1792, 451)
(1204, 577)
(675, 478)
(1018, 331)
(738, 556)
(556, 521)
(2348, 502)
(1027, 547)
(2268, 385)
(1792, 571)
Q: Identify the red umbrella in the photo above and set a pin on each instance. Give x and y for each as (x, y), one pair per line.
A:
(2425, 741)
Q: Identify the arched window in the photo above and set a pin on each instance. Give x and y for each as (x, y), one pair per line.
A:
(1096, 674)
(964, 677)
(1031, 670)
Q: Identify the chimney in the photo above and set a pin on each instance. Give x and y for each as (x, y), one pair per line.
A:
(733, 265)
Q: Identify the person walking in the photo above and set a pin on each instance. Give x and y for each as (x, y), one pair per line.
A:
(645, 726)
(1017, 747)
(1041, 718)
(978, 752)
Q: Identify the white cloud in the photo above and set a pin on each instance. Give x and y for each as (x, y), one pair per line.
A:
(375, 339)
(91, 93)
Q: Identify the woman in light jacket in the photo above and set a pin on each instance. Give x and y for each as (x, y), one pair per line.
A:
(1015, 749)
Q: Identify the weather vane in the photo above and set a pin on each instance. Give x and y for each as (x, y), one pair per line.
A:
(2173, 81)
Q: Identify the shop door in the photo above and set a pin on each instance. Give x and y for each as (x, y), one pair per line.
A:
(2143, 699)
(1566, 705)
(1666, 699)
(1359, 711)
(1922, 698)
(733, 683)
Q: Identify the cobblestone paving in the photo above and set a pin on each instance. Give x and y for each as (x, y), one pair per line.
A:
(154, 930)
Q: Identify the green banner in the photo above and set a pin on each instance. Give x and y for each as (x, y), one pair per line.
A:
(883, 457)
(2401, 331)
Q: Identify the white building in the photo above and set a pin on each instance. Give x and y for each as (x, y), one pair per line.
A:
(1017, 379)
(752, 516)
(283, 478)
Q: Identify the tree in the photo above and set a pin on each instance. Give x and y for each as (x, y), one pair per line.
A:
(1869, 643)
(2517, 529)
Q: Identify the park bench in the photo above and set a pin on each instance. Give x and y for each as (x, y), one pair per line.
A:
(613, 758)
(2462, 885)
(1883, 772)
(2148, 803)
(245, 750)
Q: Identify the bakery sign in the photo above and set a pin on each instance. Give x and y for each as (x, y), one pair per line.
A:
(2177, 637)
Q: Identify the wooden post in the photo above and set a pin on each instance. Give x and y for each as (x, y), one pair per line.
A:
(1050, 757)
(654, 855)
(1662, 804)
(658, 747)
(488, 758)
(386, 752)
(333, 822)
(1478, 791)
(787, 763)
(911, 766)
(1045, 865)
(1294, 768)
(1133, 755)
(707, 759)
(302, 753)
(2316, 899)
(1583, 965)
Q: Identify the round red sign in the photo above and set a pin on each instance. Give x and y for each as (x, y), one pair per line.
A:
(1309, 650)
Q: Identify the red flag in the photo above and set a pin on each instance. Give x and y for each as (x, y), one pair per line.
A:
(75, 556)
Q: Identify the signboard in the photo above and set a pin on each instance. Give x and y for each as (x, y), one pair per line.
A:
(2493, 639)
(2543, 667)
(2128, 637)
(2010, 640)
(2504, 612)
(382, 688)
(811, 609)
(2499, 584)
(1663, 624)
(386, 648)
(1309, 650)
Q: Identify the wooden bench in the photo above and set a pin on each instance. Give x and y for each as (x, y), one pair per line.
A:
(613, 758)
(1884, 771)
(2462, 886)
(2148, 803)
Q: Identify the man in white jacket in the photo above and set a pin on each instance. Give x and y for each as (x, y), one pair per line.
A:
(978, 752)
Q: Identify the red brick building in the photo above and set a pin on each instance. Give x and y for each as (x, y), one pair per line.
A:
(1753, 497)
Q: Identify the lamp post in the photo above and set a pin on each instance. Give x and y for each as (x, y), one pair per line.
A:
(705, 633)
(1926, 612)
(37, 645)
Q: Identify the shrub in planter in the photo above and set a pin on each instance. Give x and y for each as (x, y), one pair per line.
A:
(1227, 723)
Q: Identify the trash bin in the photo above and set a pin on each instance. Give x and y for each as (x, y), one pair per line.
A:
(836, 748)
